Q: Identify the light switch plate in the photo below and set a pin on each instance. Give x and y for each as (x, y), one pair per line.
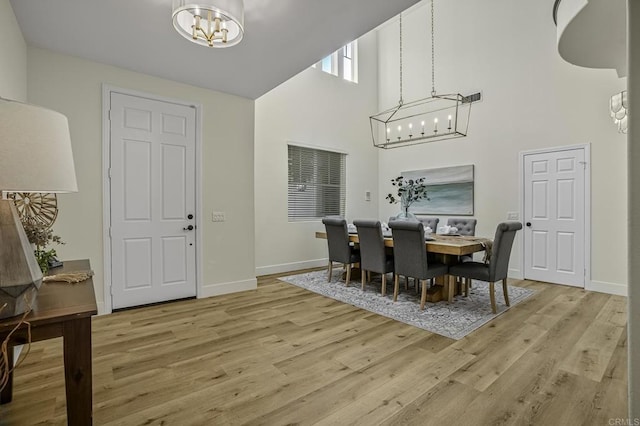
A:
(367, 195)
(513, 216)
(218, 217)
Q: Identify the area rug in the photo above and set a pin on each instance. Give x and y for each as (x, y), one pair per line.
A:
(454, 320)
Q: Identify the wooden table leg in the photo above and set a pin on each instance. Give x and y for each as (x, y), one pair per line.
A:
(7, 392)
(77, 371)
(452, 288)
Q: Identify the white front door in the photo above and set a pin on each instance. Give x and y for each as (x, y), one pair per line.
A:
(554, 216)
(152, 169)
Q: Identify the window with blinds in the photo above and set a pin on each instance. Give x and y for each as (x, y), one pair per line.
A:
(316, 183)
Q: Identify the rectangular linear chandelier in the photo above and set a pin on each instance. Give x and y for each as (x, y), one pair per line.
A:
(436, 118)
(431, 119)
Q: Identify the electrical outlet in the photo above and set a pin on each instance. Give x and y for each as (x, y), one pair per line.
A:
(513, 216)
(218, 217)
(367, 195)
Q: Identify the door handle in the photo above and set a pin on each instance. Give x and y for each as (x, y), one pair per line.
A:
(528, 224)
(188, 228)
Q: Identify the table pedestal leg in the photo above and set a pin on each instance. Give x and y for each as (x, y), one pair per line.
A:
(452, 287)
(77, 371)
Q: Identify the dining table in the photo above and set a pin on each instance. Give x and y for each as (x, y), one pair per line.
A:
(447, 247)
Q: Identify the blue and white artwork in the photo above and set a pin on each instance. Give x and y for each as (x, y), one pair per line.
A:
(450, 190)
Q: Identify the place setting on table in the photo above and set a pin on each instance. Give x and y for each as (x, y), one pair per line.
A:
(386, 231)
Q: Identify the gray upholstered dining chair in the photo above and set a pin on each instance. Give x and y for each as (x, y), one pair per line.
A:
(339, 248)
(373, 256)
(392, 218)
(466, 226)
(497, 267)
(410, 256)
(431, 222)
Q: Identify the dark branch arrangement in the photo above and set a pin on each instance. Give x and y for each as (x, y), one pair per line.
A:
(408, 191)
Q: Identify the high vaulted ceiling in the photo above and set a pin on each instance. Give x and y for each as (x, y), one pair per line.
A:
(282, 37)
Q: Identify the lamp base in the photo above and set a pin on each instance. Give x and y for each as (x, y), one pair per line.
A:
(20, 274)
(16, 305)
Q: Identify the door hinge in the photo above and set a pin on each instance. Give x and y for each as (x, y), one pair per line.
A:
(109, 115)
(109, 232)
(584, 164)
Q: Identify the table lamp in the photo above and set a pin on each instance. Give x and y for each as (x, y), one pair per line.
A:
(35, 156)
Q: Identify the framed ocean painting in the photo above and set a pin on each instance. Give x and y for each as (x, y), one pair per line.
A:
(450, 190)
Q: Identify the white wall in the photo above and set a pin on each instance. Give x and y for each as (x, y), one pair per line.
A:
(13, 56)
(73, 87)
(633, 47)
(320, 110)
(532, 99)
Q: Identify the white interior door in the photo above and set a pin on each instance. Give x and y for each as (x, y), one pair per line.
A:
(554, 216)
(152, 174)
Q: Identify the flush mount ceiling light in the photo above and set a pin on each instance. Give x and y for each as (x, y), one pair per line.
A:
(213, 23)
(430, 119)
(619, 110)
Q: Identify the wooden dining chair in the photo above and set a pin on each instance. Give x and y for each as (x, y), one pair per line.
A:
(410, 256)
(373, 255)
(497, 267)
(340, 250)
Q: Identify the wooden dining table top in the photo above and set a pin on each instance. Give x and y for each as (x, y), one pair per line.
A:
(443, 244)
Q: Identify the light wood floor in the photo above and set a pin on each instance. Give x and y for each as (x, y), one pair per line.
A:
(281, 355)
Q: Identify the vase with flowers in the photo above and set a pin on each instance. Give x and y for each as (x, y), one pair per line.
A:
(408, 192)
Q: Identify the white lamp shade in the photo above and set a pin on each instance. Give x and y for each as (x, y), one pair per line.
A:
(35, 150)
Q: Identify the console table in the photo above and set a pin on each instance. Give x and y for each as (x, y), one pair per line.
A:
(62, 310)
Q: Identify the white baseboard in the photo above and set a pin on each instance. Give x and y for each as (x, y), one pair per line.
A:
(101, 309)
(609, 288)
(288, 267)
(227, 288)
(599, 286)
(515, 274)
(207, 291)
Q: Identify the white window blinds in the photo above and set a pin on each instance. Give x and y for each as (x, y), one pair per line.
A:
(316, 183)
